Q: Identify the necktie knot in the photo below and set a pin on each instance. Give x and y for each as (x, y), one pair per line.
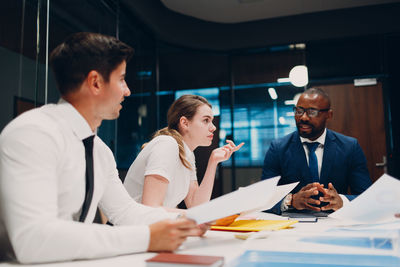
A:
(88, 143)
(312, 146)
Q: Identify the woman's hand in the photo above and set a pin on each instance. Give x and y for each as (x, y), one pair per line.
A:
(199, 194)
(224, 153)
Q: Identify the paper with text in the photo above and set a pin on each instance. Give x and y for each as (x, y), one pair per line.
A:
(378, 203)
(247, 198)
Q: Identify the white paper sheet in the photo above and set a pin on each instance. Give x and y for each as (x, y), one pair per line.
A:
(280, 192)
(377, 204)
(245, 199)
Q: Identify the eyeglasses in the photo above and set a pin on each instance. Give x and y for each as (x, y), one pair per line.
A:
(311, 112)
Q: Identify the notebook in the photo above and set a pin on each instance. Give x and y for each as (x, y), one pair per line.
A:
(184, 260)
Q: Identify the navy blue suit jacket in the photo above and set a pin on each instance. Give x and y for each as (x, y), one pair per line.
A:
(343, 164)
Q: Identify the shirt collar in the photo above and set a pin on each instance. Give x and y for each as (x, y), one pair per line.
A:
(320, 139)
(76, 121)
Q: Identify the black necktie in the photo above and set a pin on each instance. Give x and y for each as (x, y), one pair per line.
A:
(88, 143)
(312, 161)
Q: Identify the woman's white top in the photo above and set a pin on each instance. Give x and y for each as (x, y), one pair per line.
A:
(161, 157)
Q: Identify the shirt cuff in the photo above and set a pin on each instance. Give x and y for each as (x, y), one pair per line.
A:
(284, 207)
(145, 239)
(344, 199)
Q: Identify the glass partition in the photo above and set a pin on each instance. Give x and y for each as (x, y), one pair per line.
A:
(32, 28)
(258, 120)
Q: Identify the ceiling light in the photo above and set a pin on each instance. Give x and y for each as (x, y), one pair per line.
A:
(290, 102)
(299, 76)
(294, 100)
(290, 114)
(283, 80)
(272, 93)
(365, 82)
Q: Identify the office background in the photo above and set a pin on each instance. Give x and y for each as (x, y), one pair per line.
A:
(231, 64)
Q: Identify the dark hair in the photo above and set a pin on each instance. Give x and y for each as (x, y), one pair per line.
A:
(185, 106)
(318, 91)
(83, 52)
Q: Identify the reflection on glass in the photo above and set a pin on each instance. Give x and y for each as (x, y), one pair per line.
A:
(258, 119)
(211, 94)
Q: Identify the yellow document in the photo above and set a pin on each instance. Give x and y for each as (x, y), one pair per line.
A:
(255, 225)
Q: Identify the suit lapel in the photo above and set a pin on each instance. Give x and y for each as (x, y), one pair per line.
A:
(328, 159)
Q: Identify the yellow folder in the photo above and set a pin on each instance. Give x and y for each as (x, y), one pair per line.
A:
(255, 225)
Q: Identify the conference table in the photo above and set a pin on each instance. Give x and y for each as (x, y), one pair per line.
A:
(306, 239)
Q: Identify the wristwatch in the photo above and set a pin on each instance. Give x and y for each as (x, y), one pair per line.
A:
(288, 200)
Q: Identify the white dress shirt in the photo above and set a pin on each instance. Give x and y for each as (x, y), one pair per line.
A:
(161, 157)
(42, 189)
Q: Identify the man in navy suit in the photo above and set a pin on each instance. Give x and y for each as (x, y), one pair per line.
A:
(325, 163)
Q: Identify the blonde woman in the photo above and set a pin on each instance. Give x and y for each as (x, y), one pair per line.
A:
(164, 172)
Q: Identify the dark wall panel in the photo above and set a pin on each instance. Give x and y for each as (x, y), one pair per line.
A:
(345, 57)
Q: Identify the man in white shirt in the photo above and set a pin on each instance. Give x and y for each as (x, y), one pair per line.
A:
(325, 163)
(49, 193)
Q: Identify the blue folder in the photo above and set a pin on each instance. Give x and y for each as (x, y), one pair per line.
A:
(365, 242)
(258, 258)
